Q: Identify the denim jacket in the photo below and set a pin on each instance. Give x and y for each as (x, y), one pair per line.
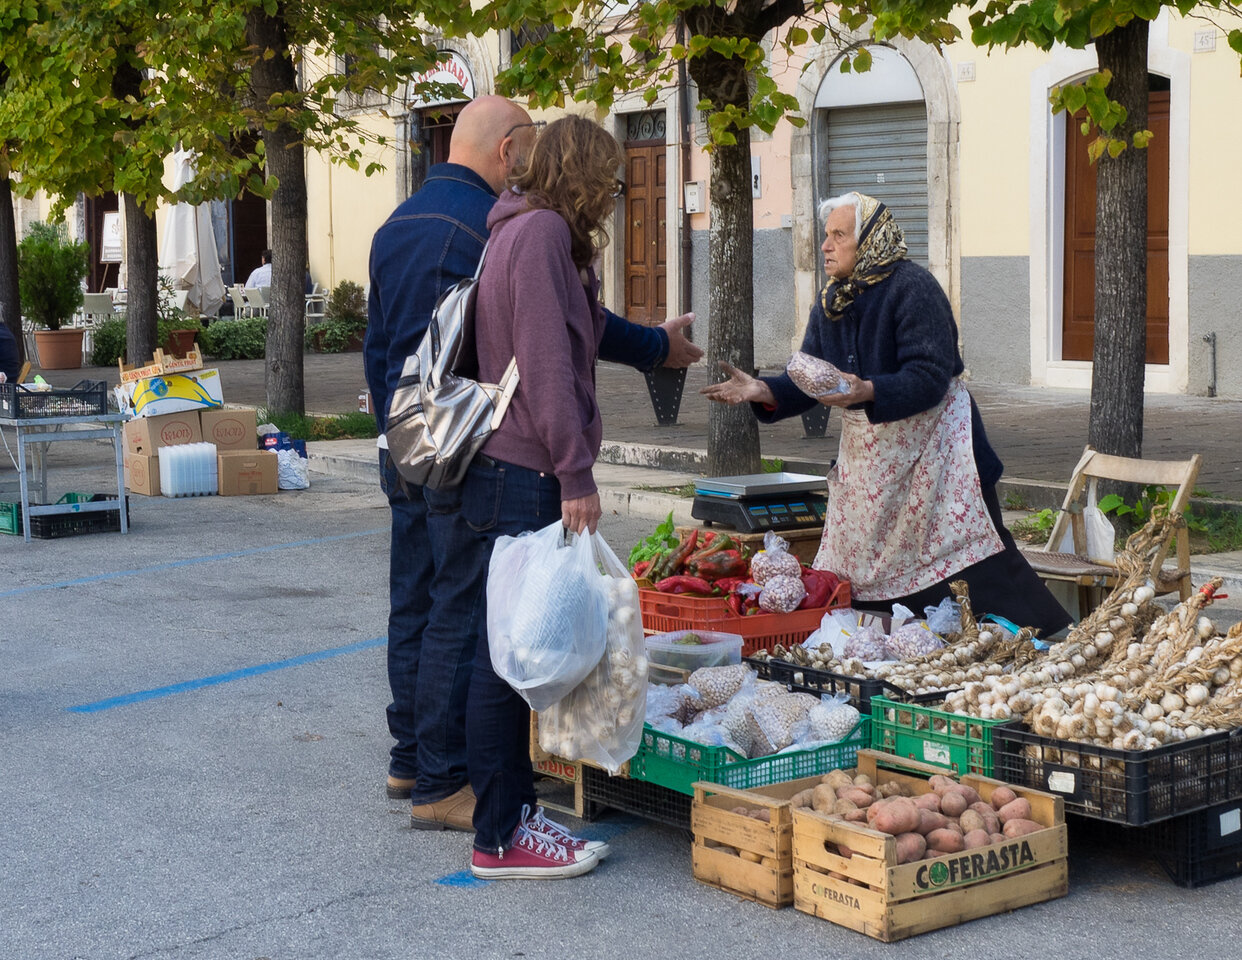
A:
(430, 242)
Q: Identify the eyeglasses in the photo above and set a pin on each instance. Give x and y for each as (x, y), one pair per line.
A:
(618, 189)
(537, 124)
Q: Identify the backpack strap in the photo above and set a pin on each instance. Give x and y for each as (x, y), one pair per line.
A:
(508, 387)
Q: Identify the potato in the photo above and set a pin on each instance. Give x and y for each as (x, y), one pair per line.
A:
(997, 837)
(946, 840)
(770, 862)
(763, 813)
(1019, 809)
(857, 796)
(857, 816)
(843, 808)
(971, 820)
(844, 851)
(940, 783)
(929, 820)
(953, 803)
(976, 838)
(862, 780)
(892, 789)
(1019, 827)
(750, 856)
(822, 798)
(896, 815)
(742, 810)
(991, 822)
(1002, 796)
(837, 778)
(928, 801)
(910, 847)
(801, 799)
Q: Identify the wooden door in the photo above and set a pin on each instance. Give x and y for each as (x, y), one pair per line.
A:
(1078, 312)
(646, 254)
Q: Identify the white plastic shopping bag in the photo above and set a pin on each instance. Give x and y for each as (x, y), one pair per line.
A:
(601, 719)
(547, 613)
(1101, 537)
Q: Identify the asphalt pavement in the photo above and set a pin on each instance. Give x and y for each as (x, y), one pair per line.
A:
(192, 753)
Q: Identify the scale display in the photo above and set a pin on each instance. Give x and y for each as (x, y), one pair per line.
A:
(762, 501)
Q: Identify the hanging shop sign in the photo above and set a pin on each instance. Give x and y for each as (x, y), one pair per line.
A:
(454, 71)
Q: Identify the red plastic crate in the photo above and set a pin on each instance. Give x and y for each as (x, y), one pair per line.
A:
(666, 612)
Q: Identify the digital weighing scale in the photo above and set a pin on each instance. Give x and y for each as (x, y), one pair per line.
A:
(761, 501)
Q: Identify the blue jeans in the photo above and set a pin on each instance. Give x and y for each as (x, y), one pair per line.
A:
(432, 627)
(497, 499)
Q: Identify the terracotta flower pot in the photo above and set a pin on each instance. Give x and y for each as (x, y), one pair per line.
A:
(180, 342)
(59, 349)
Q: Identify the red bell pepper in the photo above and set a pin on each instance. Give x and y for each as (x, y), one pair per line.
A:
(820, 585)
(725, 563)
(684, 584)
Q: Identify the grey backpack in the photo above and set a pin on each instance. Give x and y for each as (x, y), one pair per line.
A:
(439, 416)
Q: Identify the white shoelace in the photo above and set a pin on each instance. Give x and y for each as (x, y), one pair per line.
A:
(541, 843)
(540, 821)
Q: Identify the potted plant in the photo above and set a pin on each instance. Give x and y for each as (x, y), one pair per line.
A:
(344, 323)
(50, 270)
(176, 330)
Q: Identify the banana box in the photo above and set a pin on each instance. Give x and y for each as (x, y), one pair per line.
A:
(171, 393)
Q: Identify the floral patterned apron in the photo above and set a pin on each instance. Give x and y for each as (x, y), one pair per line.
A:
(905, 509)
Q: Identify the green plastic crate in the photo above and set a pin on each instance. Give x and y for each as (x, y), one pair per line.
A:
(10, 517)
(676, 763)
(950, 740)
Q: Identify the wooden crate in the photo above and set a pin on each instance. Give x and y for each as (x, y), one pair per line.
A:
(767, 877)
(550, 765)
(891, 901)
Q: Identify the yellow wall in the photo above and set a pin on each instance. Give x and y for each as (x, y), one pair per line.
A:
(345, 207)
(1215, 143)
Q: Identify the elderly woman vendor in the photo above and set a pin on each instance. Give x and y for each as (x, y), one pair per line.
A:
(912, 503)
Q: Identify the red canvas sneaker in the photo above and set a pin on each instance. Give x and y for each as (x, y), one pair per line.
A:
(561, 834)
(533, 855)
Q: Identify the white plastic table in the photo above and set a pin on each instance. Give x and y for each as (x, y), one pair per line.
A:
(45, 430)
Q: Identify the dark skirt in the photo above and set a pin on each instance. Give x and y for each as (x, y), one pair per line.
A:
(1004, 584)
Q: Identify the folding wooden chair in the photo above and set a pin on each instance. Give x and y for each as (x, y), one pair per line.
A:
(1093, 577)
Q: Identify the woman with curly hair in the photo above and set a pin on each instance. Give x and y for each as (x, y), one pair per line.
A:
(537, 303)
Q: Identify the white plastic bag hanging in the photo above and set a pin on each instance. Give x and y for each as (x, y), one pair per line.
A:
(601, 719)
(547, 613)
(1101, 537)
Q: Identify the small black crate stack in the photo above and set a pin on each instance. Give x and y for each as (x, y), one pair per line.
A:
(86, 398)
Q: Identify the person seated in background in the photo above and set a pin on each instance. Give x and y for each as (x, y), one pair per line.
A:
(261, 276)
(10, 356)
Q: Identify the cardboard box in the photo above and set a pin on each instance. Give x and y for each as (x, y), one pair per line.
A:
(142, 474)
(171, 393)
(145, 435)
(230, 429)
(246, 472)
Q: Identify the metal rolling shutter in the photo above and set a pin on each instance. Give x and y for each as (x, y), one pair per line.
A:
(881, 151)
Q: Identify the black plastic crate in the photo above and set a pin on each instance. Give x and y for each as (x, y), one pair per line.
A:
(86, 398)
(814, 680)
(647, 800)
(1200, 848)
(1133, 787)
(50, 526)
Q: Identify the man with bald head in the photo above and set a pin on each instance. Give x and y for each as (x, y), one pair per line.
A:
(430, 242)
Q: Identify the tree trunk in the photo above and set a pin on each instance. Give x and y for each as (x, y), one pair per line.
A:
(285, 162)
(732, 431)
(10, 298)
(142, 272)
(1116, 424)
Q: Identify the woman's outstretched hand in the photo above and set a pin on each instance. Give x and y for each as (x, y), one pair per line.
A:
(739, 388)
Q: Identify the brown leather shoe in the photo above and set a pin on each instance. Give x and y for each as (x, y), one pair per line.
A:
(455, 812)
(399, 787)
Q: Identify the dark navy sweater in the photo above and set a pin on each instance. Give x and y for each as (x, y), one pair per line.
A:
(900, 335)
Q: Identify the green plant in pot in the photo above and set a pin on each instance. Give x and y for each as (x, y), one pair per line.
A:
(176, 330)
(344, 323)
(50, 270)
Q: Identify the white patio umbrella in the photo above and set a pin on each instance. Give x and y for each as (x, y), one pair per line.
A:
(188, 252)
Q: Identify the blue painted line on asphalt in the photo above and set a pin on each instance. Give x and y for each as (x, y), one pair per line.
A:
(188, 685)
(462, 878)
(189, 562)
